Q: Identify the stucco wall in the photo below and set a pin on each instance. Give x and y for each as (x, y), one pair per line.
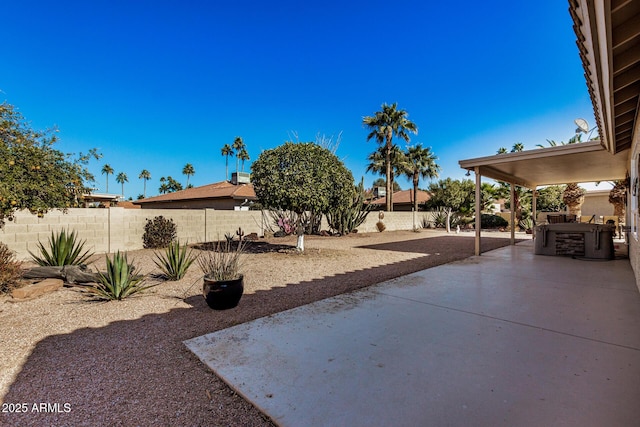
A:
(597, 203)
(633, 209)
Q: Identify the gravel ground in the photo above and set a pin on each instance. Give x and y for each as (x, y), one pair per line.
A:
(68, 361)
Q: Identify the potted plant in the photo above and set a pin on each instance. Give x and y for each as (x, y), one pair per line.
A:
(223, 283)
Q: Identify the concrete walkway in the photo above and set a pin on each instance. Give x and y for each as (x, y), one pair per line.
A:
(505, 339)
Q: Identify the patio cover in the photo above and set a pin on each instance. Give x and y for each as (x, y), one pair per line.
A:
(581, 162)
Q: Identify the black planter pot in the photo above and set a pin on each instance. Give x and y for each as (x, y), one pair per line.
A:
(223, 294)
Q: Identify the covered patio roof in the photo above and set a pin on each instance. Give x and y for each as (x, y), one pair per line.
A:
(582, 162)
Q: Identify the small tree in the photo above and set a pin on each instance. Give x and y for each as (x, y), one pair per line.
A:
(452, 196)
(33, 175)
(301, 177)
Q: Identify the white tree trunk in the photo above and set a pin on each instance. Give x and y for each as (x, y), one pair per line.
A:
(448, 220)
(300, 231)
(300, 246)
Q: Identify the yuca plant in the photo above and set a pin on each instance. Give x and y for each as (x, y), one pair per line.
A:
(119, 281)
(10, 269)
(224, 262)
(64, 249)
(175, 261)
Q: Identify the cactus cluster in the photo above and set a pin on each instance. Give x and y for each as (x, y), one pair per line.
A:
(347, 219)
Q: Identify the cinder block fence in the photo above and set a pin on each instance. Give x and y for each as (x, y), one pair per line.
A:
(113, 229)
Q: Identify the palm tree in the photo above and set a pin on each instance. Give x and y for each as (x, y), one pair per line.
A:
(517, 147)
(145, 175)
(121, 179)
(383, 126)
(419, 162)
(238, 146)
(107, 170)
(377, 164)
(501, 150)
(188, 170)
(573, 197)
(164, 187)
(573, 140)
(227, 151)
(243, 155)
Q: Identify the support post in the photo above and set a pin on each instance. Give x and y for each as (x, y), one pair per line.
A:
(478, 209)
(512, 194)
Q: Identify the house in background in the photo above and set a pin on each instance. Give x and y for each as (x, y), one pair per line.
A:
(403, 200)
(223, 195)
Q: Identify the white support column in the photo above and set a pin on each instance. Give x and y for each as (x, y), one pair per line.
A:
(478, 209)
(512, 193)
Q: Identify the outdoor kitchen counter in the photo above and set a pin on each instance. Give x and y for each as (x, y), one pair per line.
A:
(575, 239)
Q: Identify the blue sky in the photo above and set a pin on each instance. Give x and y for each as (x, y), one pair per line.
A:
(158, 84)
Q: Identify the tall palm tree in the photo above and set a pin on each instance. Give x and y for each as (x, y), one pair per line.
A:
(146, 176)
(419, 162)
(227, 151)
(243, 155)
(107, 170)
(238, 146)
(377, 164)
(188, 170)
(121, 178)
(383, 126)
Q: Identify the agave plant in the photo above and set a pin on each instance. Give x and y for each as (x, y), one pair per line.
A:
(64, 249)
(175, 261)
(119, 281)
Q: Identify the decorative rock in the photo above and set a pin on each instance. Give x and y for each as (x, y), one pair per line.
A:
(37, 289)
(251, 236)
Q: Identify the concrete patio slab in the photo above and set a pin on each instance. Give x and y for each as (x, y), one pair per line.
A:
(508, 338)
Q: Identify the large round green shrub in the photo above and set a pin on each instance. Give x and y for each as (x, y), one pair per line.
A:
(492, 221)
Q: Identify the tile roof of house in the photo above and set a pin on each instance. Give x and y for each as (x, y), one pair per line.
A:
(218, 190)
(402, 197)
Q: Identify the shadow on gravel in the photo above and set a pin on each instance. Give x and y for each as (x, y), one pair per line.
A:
(138, 372)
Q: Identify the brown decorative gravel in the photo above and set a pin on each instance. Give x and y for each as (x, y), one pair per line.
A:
(67, 361)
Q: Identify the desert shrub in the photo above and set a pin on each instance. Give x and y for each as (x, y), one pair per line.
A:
(175, 261)
(492, 221)
(380, 226)
(224, 262)
(10, 269)
(64, 248)
(158, 232)
(119, 281)
(526, 224)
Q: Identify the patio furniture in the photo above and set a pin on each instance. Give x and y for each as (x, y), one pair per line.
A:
(560, 218)
(575, 239)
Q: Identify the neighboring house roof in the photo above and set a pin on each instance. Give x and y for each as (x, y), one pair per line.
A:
(403, 197)
(218, 190)
(127, 205)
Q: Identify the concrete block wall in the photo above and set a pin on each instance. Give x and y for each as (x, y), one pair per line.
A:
(220, 222)
(26, 230)
(119, 229)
